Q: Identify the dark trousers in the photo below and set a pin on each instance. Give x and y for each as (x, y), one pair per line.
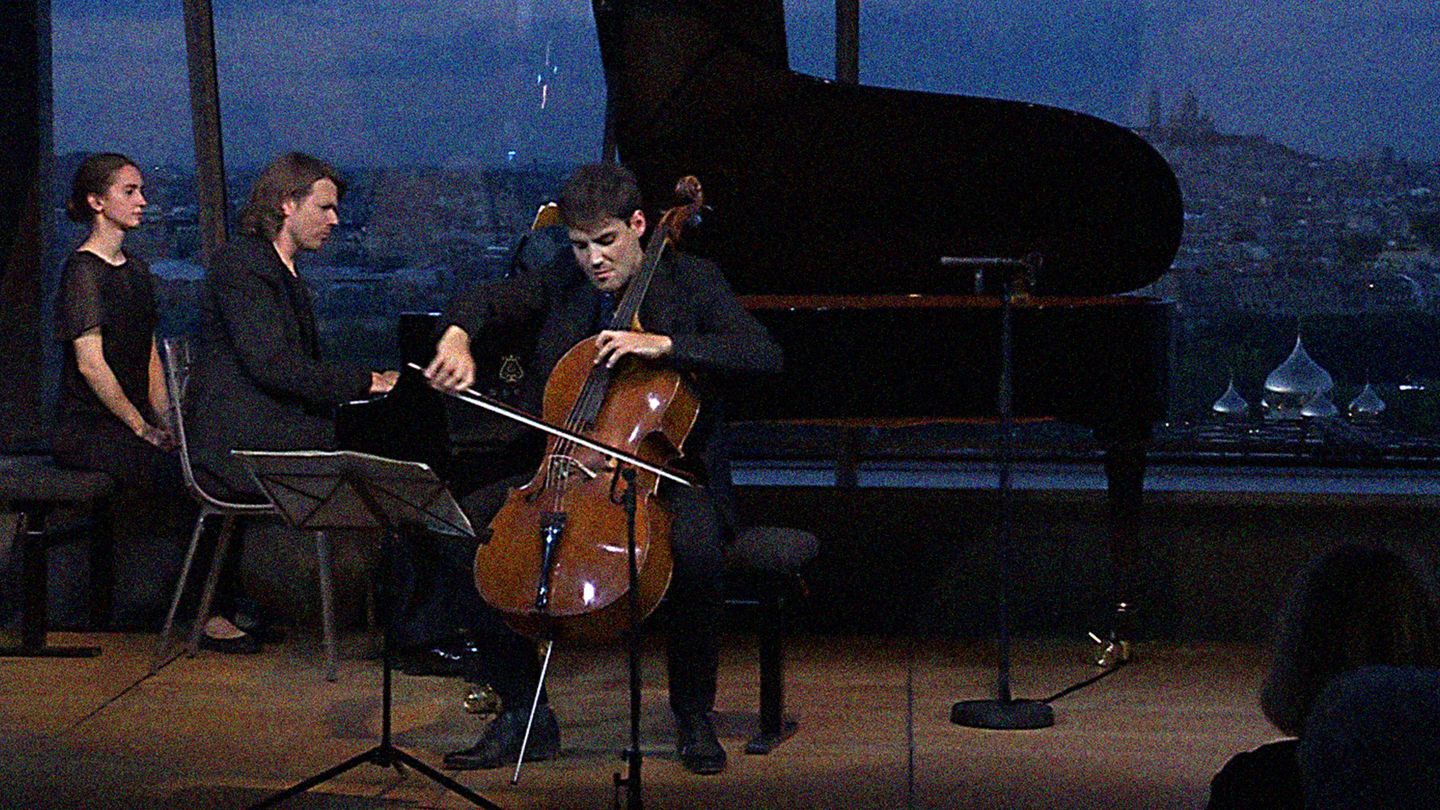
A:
(141, 470)
(444, 598)
(151, 511)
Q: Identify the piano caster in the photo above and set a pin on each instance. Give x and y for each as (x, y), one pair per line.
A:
(1110, 653)
(1116, 648)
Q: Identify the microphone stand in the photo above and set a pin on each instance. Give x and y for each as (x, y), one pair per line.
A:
(1003, 712)
(633, 756)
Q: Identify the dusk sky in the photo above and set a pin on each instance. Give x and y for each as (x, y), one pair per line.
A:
(453, 82)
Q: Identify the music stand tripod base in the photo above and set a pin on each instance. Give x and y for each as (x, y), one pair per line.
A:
(315, 490)
(1002, 715)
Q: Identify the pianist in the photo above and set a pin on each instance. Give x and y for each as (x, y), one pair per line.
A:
(259, 381)
(696, 325)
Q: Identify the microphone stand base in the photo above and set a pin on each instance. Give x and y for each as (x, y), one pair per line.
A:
(1002, 715)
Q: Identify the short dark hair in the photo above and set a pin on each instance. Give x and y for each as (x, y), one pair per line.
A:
(599, 191)
(1353, 606)
(95, 175)
(288, 177)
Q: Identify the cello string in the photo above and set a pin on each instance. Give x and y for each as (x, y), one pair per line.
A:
(585, 410)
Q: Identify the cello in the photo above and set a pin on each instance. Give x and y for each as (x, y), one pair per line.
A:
(556, 566)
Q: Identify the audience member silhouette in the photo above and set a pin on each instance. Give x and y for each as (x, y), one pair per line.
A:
(1352, 607)
(1373, 740)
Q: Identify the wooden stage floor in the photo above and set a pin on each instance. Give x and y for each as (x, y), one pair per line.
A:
(225, 731)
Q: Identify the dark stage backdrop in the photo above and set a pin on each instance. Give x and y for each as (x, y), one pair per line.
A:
(24, 140)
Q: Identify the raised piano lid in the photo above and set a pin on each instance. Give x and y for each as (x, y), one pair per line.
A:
(825, 188)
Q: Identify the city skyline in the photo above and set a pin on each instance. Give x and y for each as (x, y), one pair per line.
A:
(453, 84)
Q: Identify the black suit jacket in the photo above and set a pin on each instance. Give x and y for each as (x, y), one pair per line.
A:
(258, 382)
(714, 338)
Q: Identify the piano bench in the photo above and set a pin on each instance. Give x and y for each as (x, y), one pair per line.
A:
(32, 486)
(764, 565)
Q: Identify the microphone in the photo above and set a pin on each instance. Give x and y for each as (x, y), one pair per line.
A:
(992, 273)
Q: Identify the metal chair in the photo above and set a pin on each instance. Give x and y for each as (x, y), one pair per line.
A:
(177, 372)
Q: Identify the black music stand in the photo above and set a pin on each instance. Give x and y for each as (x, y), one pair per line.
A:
(317, 490)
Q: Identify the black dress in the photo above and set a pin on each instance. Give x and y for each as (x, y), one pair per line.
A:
(120, 301)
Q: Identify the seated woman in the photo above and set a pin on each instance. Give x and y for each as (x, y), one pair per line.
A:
(1352, 607)
(113, 413)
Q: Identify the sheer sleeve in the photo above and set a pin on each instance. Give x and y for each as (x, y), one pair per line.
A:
(80, 306)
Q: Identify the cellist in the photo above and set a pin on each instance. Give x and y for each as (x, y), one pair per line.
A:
(693, 324)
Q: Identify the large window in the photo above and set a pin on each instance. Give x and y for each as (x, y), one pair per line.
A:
(1303, 136)
(120, 85)
(451, 121)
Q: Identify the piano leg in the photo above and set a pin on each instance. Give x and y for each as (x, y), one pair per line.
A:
(1125, 485)
(847, 458)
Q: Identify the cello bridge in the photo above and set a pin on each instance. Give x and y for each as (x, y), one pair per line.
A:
(570, 463)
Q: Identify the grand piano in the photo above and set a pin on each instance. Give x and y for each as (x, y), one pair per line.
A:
(832, 205)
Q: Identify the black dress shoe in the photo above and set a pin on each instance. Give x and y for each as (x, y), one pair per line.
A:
(267, 633)
(251, 619)
(697, 746)
(500, 745)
